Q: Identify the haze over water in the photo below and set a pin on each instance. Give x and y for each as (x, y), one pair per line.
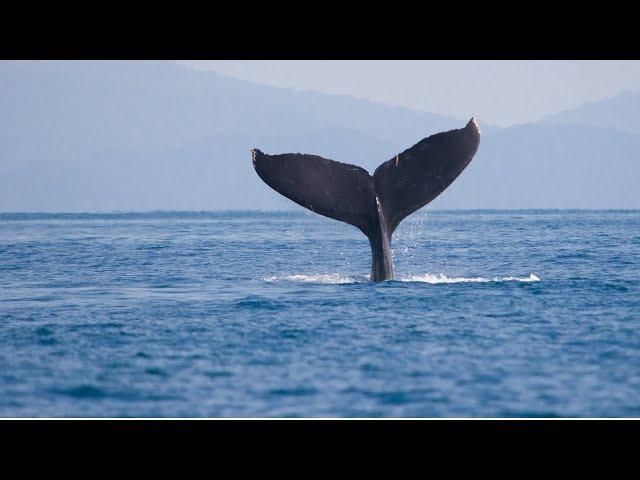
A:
(253, 314)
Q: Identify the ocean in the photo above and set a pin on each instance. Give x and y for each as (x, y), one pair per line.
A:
(271, 314)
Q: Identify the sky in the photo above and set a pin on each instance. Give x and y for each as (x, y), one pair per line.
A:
(501, 92)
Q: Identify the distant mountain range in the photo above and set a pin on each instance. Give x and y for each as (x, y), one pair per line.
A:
(621, 112)
(104, 136)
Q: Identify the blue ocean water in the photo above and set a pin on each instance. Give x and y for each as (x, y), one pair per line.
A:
(254, 314)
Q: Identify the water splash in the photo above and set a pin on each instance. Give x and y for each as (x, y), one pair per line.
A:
(338, 279)
(435, 279)
(330, 278)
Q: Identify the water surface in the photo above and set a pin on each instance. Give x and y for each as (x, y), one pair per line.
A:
(253, 314)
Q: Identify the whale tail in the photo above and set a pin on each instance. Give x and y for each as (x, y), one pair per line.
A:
(376, 204)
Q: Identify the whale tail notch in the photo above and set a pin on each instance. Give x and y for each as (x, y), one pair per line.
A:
(376, 204)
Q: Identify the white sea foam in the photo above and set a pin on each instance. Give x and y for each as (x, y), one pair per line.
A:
(331, 278)
(434, 279)
(337, 279)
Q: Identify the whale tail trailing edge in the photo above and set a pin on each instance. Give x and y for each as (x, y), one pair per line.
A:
(374, 204)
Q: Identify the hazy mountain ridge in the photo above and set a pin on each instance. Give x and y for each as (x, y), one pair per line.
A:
(620, 112)
(84, 107)
(87, 136)
(550, 166)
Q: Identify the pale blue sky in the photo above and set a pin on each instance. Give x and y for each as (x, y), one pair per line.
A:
(500, 92)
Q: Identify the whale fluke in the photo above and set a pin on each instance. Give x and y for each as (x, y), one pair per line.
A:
(374, 204)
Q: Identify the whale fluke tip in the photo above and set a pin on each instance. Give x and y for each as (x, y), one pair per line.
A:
(473, 123)
(254, 154)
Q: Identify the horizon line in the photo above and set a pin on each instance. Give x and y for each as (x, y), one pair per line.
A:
(438, 210)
